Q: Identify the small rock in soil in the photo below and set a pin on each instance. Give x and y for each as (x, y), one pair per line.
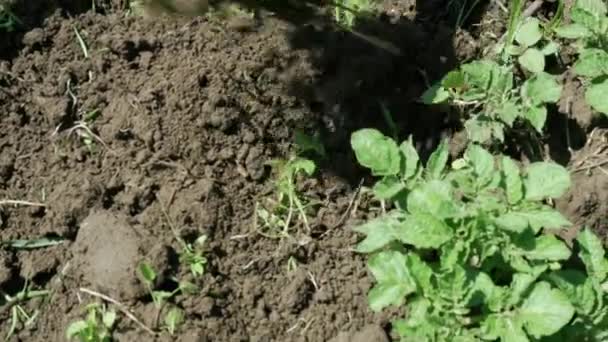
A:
(107, 252)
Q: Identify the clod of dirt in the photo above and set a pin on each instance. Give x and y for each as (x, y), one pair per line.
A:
(369, 333)
(7, 167)
(6, 271)
(297, 294)
(38, 263)
(107, 252)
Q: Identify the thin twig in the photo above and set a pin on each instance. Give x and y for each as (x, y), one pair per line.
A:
(120, 307)
(17, 202)
(535, 6)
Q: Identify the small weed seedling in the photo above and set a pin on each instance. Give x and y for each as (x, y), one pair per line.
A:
(192, 256)
(466, 247)
(18, 314)
(276, 219)
(174, 316)
(589, 29)
(96, 327)
(530, 47)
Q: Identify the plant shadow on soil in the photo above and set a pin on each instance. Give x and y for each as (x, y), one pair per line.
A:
(189, 112)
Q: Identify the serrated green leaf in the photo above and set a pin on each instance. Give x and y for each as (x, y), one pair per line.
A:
(545, 311)
(520, 287)
(592, 63)
(438, 160)
(532, 60)
(478, 73)
(481, 160)
(592, 254)
(548, 247)
(376, 151)
(541, 88)
(388, 187)
(434, 197)
(479, 130)
(508, 329)
(424, 230)
(529, 33)
(420, 271)
(596, 96)
(573, 31)
(394, 281)
(435, 95)
(379, 232)
(513, 183)
(410, 157)
(537, 116)
(545, 180)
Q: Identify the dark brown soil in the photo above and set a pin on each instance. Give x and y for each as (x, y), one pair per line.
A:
(189, 113)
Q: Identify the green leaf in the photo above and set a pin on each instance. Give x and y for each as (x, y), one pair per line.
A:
(434, 95)
(454, 79)
(509, 112)
(394, 280)
(519, 288)
(438, 160)
(592, 254)
(434, 197)
(592, 63)
(388, 187)
(529, 32)
(482, 161)
(411, 158)
(573, 31)
(577, 287)
(545, 311)
(480, 130)
(532, 60)
(376, 151)
(147, 272)
(548, 247)
(173, 319)
(34, 243)
(379, 232)
(541, 88)
(424, 231)
(109, 318)
(420, 271)
(550, 48)
(478, 73)
(301, 164)
(537, 116)
(545, 217)
(545, 180)
(506, 328)
(513, 183)
(76, 328)
(596, 7)
(512, 221)
(596, 96)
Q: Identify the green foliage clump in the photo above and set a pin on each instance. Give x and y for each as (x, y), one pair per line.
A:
(496, 101)
(96, 327)
(468, 247)
(589, 28)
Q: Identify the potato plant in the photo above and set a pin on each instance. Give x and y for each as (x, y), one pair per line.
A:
(469, 247)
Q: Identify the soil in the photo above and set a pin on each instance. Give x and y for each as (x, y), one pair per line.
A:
(164, 127)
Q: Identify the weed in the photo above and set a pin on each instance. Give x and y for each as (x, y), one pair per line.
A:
(346, 12)
(18, 313)
(276, 219)
(173, 319)
(464, 246)
(96, 327)
(589, 29)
